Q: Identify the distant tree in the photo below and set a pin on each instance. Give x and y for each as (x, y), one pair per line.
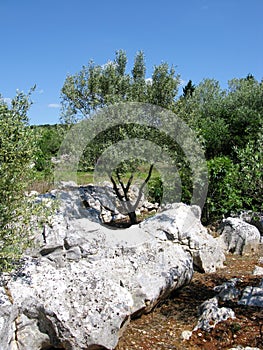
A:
(250, 178)
(243, 111)
(203, 111)
(49, 138)
(250, 77)
(138, 87)
(189, 89)
(98, 86)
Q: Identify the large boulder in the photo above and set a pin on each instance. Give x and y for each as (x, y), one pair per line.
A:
(238, 237)
(255, 219)
(83, 281)
(180, 224)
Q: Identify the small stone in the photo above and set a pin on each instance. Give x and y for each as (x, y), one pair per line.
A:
(258, 271)
(186, 335)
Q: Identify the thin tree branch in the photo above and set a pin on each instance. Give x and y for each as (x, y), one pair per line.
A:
(142, 187)
(129, 182)
(121, 183)
(119, 195)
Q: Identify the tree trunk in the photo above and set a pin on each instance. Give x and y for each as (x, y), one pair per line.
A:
(133, 218)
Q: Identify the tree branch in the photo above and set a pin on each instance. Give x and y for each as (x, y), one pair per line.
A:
(142, 187)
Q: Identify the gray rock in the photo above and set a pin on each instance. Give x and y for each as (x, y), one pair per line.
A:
(227, 290)
(258, 271)
(8, 315)
(238, 237)
(104, 201)
(86, 281)
(255, 219)
(252, 296)
(181, 225)
(211, 314)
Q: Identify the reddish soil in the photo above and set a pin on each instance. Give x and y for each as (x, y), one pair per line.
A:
(162, 328)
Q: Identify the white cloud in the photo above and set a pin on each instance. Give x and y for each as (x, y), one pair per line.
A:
(54, 105)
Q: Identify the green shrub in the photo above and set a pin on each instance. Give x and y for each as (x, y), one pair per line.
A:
(155, 190)
(17, 149)
(250, 172)
(224, 197)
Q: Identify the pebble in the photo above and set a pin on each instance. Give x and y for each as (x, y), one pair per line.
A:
(186, 335)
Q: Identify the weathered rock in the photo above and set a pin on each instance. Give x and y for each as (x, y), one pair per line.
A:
(258, 271)
(211, 314)
(228, 290)
(252, 296)
(255, 219)
(8, 315)
(85, 280)
(238, 237)
(181, 225)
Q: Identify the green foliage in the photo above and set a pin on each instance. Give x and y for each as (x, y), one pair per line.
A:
(189, 89)
(95, 86)
(243, 111)
(223, 195)
(49, 138)
(19, 213)
(250, 165)
(155, 190)
(17, 147)
(227, 122)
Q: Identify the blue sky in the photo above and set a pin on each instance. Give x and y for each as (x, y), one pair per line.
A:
(42, 41)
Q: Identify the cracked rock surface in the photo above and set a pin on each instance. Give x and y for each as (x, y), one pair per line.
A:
(83, 281)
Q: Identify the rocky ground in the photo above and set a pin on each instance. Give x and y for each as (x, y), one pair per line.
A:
(162, 328)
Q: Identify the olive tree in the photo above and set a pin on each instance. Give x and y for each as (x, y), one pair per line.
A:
(17, 149)
(100, 86)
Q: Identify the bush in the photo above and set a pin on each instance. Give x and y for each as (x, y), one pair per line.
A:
(17, 147)
(155, 190)
(250, 172)
(224, 196)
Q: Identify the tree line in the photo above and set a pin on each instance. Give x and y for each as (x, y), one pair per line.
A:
(228, 121)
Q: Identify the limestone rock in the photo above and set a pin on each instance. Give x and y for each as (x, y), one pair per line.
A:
(79, 286)
(104, 201)
(252, 296)
(181, 225)
(211, 314)
(8, 315)
(238, 237)
(258, 271)
(255, 219)
(228, 290)
(84, 281)
(186, 335)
